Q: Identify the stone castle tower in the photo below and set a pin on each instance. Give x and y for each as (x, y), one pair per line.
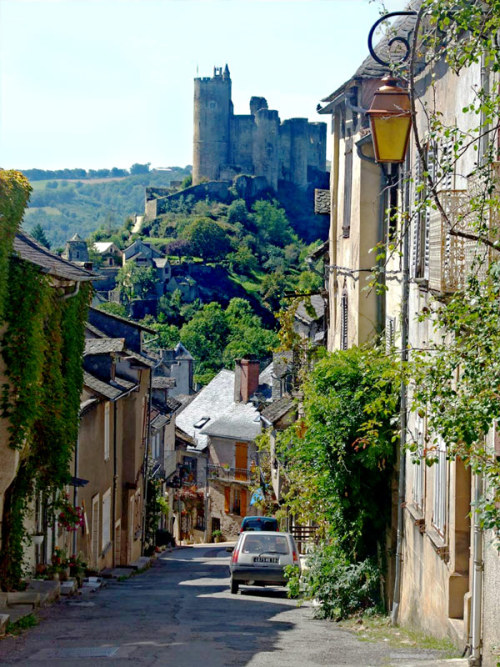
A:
(258, 144)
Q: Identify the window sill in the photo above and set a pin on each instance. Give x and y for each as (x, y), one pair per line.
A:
(417, 516)
(439, 543)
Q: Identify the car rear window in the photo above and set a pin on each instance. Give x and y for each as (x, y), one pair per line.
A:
(260, 524)
(258, 544)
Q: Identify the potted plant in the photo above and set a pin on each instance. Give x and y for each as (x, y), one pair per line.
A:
(217, 535)
(37, 538)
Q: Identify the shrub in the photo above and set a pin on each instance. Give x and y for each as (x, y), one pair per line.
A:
(341, 588)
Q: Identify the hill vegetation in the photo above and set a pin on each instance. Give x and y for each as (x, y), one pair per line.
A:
(67, 201)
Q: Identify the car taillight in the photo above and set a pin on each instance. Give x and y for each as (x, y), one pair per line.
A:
(234, 558)
(295, 557)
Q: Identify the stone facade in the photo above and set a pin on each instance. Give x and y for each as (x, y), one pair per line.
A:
(225, 144)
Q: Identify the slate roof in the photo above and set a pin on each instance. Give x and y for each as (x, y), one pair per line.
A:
(273, 412)
(104, 246)
(240, 421)
(29, 250)
(103, 345)
(173, 404)
(125, 321)
(162, 382)
(159, 421)
(141, 358)
(181, 352)
(110, 390)
(225, 417)
(318, 305)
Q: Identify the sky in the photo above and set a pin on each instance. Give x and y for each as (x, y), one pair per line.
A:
(108, 83)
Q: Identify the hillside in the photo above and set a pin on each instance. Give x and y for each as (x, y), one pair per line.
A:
(64, 206)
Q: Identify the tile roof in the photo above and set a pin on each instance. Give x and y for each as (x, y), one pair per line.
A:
(303, 311)
(162, 382)
(103, 345)
(277, 409)
(29, 250)
(112, 389)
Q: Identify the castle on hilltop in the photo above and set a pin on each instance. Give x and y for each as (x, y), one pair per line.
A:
(258, 144)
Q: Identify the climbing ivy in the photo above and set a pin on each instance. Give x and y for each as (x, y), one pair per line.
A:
(42, 348)
(14, 194)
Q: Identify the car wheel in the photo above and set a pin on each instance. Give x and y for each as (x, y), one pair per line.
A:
(234, 586)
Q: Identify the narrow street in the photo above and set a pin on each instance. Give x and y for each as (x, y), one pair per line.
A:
(180, 612)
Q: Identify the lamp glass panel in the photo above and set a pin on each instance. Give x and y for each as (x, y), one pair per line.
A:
(390, 137)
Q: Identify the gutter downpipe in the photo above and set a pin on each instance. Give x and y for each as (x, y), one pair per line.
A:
(403, 408)
(477, 574)
(75, 491)
(115, 480)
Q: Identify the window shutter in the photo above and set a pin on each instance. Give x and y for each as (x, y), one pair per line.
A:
(346, 224)
(241, 460)
(243, 502)
(227, 499)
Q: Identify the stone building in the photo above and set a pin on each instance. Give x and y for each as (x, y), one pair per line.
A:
(258, 143)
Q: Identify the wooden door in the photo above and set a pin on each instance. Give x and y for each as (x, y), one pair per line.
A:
(241, 460)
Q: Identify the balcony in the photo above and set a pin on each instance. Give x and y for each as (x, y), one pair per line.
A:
(452, 258)
(227, 474)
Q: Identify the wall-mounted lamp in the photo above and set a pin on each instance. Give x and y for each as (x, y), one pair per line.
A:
(390, 121)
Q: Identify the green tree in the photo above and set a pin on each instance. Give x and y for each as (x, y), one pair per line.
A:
(39, 235)
(205, 336)
(272, 224)
(136, 281)
(208, 239)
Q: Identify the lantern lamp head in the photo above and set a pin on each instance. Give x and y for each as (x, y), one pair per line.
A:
(390, 121)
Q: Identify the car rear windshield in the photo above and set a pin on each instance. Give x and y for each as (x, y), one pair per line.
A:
(268, 544)
(260, 524)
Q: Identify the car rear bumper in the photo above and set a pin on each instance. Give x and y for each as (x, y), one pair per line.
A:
(274, 575)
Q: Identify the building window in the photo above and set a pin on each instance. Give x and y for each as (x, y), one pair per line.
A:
(155, 445)
(344, 321)
(419, 468)
(346, 225)
(440, 488)
(106, 519)
(106, 430)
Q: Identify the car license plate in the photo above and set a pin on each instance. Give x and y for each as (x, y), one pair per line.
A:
(266, 560)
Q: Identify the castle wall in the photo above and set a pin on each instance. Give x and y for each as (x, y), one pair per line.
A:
(299, 150)
(212, 111)
(266, 146)
(317, 146)
(241, 150)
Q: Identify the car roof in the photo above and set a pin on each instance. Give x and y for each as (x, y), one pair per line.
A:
(260, 533)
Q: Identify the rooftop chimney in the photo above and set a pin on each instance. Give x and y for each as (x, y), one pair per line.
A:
(246, 379)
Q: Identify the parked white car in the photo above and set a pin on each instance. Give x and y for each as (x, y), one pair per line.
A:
(259, 559)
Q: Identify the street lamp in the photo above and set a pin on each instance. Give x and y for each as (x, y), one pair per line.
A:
(390, 121)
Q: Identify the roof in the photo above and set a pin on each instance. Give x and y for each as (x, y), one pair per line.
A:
(173, 404)
(273, 412)
(162, 382)
(141, 358)
(131, 323)
(212, 401)
(181, 352)
(159, 421)
(76, 237)
(103, 345)
(182, 435)
(304, 313)
(29, 250)
(110, 390)
(216, 413)
(321, 250)
(241, 421)
(160, 262)
(103, 246)
(266, 377)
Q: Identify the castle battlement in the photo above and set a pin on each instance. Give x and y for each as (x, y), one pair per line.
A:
(257, 144)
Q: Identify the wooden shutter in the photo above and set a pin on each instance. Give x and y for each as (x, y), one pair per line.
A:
(241, 460)
(227, 499)
(243, 502)
(346, 225)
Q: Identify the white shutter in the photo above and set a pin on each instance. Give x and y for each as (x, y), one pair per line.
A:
(106, 519)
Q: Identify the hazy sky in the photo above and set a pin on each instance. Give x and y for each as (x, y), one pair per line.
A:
(103, 83)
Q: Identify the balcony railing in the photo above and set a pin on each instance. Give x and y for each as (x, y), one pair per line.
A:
(227, 474)
(452, 258)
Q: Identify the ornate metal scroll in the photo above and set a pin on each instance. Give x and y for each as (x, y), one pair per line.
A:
(401, 40)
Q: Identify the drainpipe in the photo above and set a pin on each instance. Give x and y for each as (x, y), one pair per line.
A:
(477, 580)
(477, 574)
(403, 408)
(115, 481)
(75, 489)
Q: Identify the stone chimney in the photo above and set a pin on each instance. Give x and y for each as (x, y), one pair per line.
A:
(246, 379)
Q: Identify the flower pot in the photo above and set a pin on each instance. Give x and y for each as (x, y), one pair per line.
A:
(37, 538)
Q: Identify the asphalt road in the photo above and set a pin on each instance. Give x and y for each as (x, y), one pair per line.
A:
(181, 613)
